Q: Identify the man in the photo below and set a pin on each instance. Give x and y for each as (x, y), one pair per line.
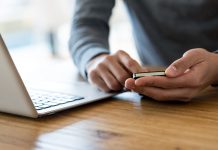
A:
(183, 31)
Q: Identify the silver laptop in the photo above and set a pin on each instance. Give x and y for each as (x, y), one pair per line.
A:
(16, 98)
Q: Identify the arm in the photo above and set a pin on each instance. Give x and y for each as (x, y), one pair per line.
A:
(90, 50)
(90, 30)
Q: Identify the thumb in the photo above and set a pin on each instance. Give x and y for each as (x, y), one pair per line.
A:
(189, 59)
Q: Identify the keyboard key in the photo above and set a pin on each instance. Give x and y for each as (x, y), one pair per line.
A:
(42, 99)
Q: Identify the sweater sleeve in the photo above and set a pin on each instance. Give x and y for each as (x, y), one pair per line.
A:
(90, 31)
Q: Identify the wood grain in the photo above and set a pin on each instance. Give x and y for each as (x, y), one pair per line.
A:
(124, 122)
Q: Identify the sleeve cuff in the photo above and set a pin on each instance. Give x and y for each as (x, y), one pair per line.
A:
(87, 56)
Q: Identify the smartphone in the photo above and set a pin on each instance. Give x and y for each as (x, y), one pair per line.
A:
(146, 74)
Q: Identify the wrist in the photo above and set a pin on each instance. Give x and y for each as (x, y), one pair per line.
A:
(94, 60)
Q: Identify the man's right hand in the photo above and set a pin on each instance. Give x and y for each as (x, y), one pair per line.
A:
(109, 72)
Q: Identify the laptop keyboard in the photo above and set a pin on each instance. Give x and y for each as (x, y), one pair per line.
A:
(43, 100)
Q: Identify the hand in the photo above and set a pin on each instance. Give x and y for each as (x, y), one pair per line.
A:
(109, 72)
(185, 77)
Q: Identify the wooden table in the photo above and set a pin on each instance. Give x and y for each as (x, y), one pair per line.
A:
(125, 122)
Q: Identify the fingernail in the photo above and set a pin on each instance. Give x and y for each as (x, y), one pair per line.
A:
(172, 71)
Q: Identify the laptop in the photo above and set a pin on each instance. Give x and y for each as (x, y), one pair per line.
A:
(17, 98)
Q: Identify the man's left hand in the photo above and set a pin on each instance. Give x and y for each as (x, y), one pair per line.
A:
(185, 77)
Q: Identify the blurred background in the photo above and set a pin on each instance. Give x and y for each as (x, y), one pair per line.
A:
(43, 26)
(38, 31)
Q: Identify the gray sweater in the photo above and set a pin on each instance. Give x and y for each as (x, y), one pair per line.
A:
(163, 29)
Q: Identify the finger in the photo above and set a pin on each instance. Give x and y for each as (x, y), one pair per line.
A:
(146, 69)
(129, 63)
(99, 82)
(166, 82)
(130, 84)
(178, 94)
(119, 72)
(109, 79)
(193, 78)
(189, 59)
